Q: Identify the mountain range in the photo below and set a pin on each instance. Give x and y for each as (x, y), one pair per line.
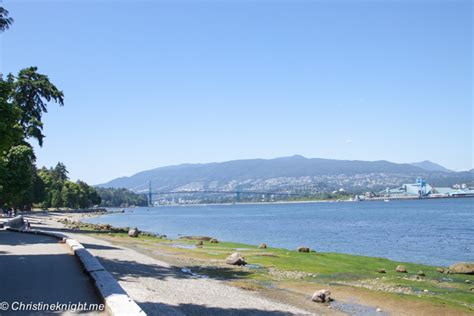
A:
(289, 174)
(430, 166)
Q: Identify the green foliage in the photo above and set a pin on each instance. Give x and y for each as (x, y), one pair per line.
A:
(5, 20)
(10, 128)
(17, 177)
(32, 92)
(57, 191)
(120, 198)
(22, 102)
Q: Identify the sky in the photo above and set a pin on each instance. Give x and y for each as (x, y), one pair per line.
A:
(156, 83)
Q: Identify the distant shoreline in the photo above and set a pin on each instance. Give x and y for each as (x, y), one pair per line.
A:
(381, 199)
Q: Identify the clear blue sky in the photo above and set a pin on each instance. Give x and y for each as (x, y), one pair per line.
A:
(154, 83)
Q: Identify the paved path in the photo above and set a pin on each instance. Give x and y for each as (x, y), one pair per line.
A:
(36, 268)
(160, 289)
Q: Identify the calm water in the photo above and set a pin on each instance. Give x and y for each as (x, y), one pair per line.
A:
(437, 232)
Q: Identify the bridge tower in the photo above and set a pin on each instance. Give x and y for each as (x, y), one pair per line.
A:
(237, 195)
(149, 194)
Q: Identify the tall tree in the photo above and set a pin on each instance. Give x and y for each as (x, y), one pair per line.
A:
(60, 173)
(32, 92)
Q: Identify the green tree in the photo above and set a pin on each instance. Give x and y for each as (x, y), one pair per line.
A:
(5, 20)
(60, 173)
(10, 129)
(70, 195)
(48, 183)
(56, 199)
(18, 179)
(32, 92)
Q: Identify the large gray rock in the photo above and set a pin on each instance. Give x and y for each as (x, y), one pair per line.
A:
(401, 269)
(462, 268)
(235, 259)
(263, 246)
(133, 232)
(303, 249)
(321, 296)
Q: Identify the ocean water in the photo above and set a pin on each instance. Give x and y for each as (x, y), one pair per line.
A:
(436, 232)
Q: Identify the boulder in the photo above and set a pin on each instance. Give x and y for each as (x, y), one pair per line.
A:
(199, 243)
(440, 270)
(420, 273)
(382, 271)
(321, 296)
(214, 241)
(462, 268)
(235, 259)
(303, 249)
(263, 246)
(133, 232)
(401, 269)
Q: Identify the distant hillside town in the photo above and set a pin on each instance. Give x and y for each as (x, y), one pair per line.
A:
(293, 178)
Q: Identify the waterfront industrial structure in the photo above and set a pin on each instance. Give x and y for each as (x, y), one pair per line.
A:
(421, 189)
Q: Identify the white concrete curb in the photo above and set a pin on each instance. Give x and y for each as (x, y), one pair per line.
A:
(117, 302)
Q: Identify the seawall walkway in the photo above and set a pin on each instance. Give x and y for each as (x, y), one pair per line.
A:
(37, 269)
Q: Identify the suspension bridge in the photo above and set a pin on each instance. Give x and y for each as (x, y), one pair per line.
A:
(237, 193)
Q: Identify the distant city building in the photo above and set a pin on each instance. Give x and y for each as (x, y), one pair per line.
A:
(422, 189)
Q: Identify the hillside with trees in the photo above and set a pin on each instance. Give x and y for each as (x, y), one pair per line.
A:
(120, 198)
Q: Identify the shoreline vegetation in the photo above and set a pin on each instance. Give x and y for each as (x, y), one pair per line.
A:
(372, 280)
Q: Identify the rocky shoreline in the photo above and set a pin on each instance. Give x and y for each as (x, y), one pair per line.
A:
(386, 277)
(104, 228)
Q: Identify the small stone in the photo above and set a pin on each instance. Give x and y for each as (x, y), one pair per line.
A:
(420, 273)
(214, 241)
(321, 296)
(425, 290)
(401, 269)
(440, 270)
(133, 232)
(468, 281)
(263, 246)
(303, 249)
(382, 271)
(235, 259)
(199, 243)
(378, 310)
